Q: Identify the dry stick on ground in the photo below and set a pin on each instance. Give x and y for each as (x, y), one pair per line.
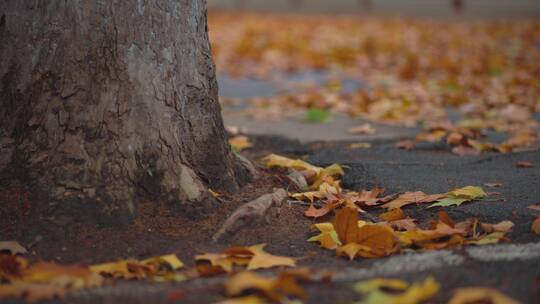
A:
(256, 210)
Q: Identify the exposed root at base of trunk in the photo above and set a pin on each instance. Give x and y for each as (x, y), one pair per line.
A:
(247, 214)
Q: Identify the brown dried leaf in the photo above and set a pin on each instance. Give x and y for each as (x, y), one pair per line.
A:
(392, 215)
(536, 226)
(407, 198)
(524, 164)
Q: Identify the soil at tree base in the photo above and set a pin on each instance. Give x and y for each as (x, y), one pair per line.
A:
(431, 169)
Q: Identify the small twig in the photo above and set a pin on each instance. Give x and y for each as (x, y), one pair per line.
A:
(250, 212)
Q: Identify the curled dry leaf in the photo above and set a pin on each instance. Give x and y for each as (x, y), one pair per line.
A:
(392, 215)
(504, 226)
(254, 257)
(275, 289)
(524, 164)
(364, 129)
(374, 291)
(480, 295)
(405, 144)
(534, 207)
(313, 174)
(13, 247)
(536, 226)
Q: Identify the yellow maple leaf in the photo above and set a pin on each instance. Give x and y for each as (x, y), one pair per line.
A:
(240, 142)
(480, 294)
(262, 259)
(415, 293)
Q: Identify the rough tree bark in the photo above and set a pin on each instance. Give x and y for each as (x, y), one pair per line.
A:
(103, 100)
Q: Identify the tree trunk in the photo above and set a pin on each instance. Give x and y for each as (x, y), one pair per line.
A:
(104, 100)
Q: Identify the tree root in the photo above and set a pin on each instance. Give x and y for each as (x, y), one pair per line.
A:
(247, 214)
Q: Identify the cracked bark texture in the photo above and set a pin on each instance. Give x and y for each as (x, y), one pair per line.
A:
(106, 99)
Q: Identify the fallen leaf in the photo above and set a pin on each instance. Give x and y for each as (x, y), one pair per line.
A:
(524, 164)
(316, 115)
(370, 240)
(459, 196)
(361, 145)
(416, 293)
(407, 198)
(420, 237)
(262, 259)
(536, 226)
(12, 267)
(493, 185)
(462, 150)
(470, 192)
(250, 299)
(274, 160)
(364, 129)
(13, 247)
(450, 201)
(316, 213)
(328, 237)
(504, 226)
(158, 268)
(240, 142)
(534, 207)
(32, 292)
(405, 144)
(491, 238)
(61, 275)
(480, 295)
(392, 215)
(254, 257)
(345, 225)
(368, 197)
(407, 224)
(273, 288)
(364, 287)
(316, 176)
